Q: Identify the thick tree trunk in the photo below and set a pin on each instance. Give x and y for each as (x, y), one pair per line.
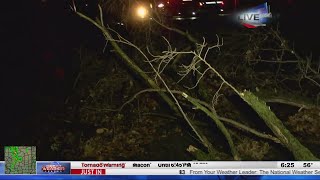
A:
(299, 151)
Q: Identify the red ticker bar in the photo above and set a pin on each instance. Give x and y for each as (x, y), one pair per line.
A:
(88, 171)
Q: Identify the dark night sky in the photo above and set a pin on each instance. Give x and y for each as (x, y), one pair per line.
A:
(37, 41)
(37, 44)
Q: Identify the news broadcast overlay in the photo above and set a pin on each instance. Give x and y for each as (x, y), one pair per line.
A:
(170, 168)
(255, 17)
(21, 160)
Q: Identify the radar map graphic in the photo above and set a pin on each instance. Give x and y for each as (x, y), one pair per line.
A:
(20, 159)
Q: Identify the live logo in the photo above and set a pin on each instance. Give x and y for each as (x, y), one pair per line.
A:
(88, 171)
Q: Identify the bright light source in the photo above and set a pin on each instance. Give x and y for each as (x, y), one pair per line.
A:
(220, 2)
(193, 13)
(142, 12)
(161, 5)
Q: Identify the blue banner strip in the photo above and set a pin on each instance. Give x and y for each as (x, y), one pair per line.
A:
(2, 168)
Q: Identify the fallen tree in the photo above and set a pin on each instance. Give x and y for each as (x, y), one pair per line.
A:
(156, 62)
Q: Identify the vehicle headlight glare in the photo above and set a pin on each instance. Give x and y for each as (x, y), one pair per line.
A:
(161, 5)
(142, 12)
